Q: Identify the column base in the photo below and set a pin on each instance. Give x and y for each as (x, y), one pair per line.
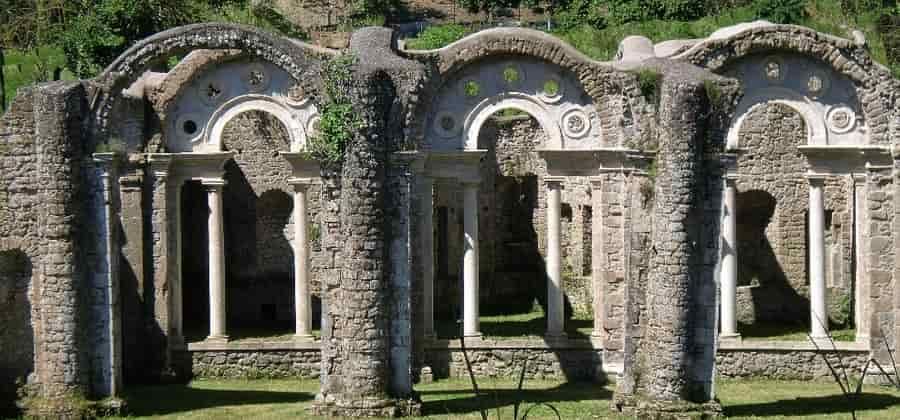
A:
(366, 407)
(643, 408)
(730, 337)
(216, 339)
(556, 336)
(304, 338)
(477, 335)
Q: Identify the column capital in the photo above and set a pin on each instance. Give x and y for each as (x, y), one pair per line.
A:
(859, 178)
(551, 180)
(213, 183)
(815, 178)
(731, 178)
(596, 182)
(302, 183)
(160, 164)
(133, 182)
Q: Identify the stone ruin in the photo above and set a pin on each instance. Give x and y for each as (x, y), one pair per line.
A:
(671, 194)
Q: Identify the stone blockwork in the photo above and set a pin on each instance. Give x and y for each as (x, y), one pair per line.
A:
(501, 360)
(256, 364)
(641, 209)
(786, 364)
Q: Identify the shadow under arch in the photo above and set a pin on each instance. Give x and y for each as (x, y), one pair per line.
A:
(17, 341)
(759, 271)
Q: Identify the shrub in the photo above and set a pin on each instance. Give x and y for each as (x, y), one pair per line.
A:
(781, 11)
(438, 36)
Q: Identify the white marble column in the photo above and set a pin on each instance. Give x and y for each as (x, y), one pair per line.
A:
(597, 282)
(216, 234)
(470, 259)
(555, 294)
(818, 312)
(729, 271)
(302, 301)
(426, 241)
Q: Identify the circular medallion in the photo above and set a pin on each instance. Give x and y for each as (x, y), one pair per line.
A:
(841, 119)
(211, 93)
(255, 78)
(551, 90)
(774, 70)
(817, 84)
(575, 123)
(513, 75)
(189, 126)
(312, 126)
(446, 125)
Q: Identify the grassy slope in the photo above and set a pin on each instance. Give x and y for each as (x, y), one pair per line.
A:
(453, 399)
(21, 68)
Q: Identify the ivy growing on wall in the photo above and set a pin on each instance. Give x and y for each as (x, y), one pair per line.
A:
(338, 121)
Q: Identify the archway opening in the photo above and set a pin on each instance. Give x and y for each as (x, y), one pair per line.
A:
(512, 231)
(258, 222)
(773, 234)
(16, 330)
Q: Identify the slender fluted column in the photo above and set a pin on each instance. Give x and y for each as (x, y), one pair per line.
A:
(728, 277)
(555, 294)
(818, 313)
(597, 282)
(470, 259)
(426, 241)
(216, 259)
(302, 302)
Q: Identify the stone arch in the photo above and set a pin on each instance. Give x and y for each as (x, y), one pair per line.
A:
(301, 61)
(816, 132)
(592, 89)
(212, 136)
(847, 58)
(488, 107)
(17, 335)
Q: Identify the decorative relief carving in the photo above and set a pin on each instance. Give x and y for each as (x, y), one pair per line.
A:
(445, 124)
(841, 119)
(774, 70)
(817, 84)
(576, 123)
(255, 78)
(551, 91)
(211, 93)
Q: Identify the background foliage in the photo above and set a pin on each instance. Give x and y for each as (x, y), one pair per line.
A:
(52, 39)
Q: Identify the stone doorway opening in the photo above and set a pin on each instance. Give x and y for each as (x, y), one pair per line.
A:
(16, 330)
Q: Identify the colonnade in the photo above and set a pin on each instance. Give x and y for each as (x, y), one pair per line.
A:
(816, 246)
(470, 260)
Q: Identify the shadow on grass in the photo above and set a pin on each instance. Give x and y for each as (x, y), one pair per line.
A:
(519, 328)
(831, 404)
(170, 399)
(493, 398)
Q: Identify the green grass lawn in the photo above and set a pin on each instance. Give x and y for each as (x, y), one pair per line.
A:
(272, 332)
(453, 399)
(788, 332)
(531, 324)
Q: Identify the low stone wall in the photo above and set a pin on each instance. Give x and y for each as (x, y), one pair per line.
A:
(784, 362)
(570, 359)
(253, 364)
(574, 360)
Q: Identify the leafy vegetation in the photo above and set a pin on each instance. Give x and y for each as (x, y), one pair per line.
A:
(438, 36)
(338, 121)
